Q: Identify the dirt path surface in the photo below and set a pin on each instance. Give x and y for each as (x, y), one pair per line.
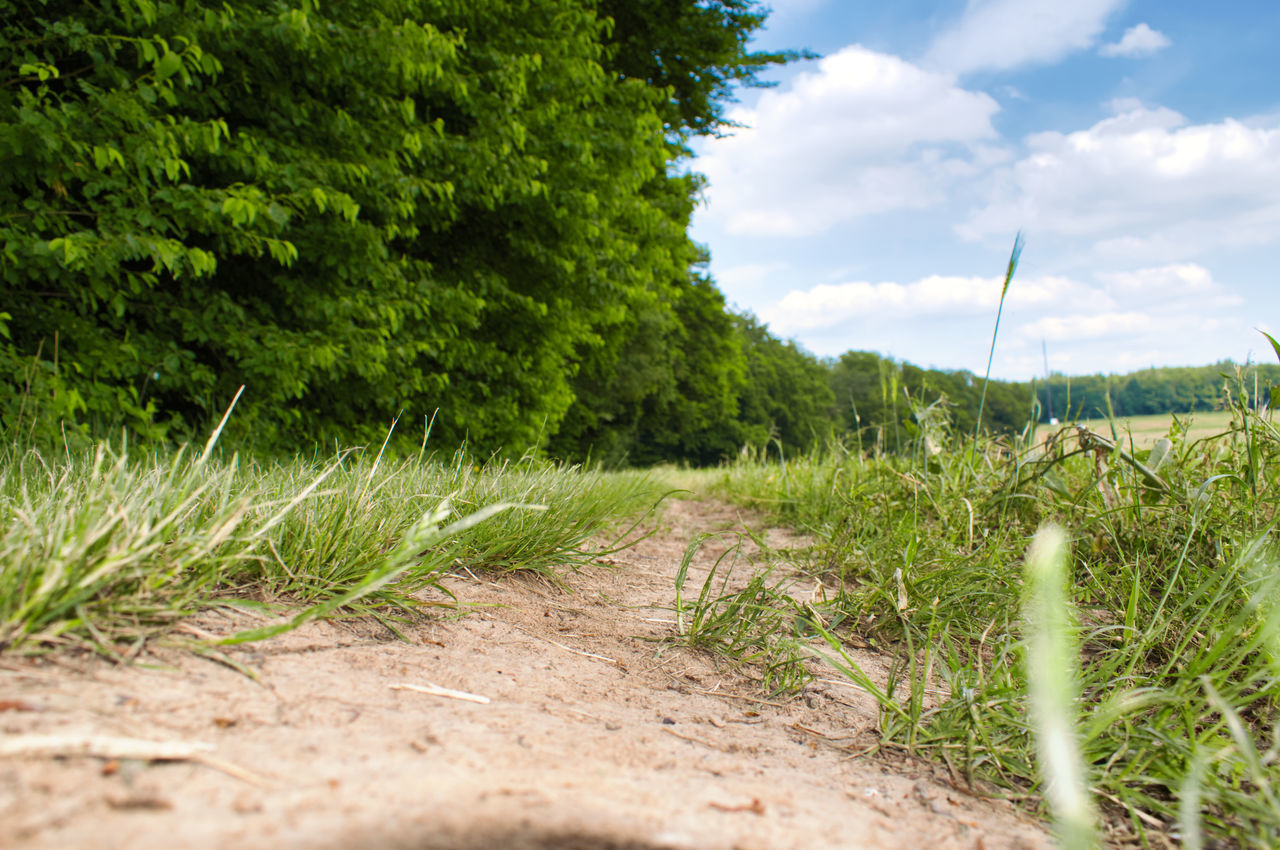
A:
(596, 735)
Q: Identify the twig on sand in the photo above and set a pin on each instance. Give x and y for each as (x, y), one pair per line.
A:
(102, 746)
(691, 739)
(436, 691)
(800, 727)
(111, 747)
(567, 648)
(744, 698)
(231, 769)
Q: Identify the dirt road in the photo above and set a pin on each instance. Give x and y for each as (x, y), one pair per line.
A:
(594, 735)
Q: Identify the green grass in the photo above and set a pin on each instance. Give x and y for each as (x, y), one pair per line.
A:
(1169, 606)
(756, 622)
(108, 548)
(1128, 669)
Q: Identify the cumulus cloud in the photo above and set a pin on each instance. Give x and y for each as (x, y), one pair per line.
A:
(1173, 280)
(1089, 326)
(864, 133)
(1144, 176)
(1171, 313)
(828, 305)
(1136, 327)
(1003, 34)
(1144, 306)
(1141, 40)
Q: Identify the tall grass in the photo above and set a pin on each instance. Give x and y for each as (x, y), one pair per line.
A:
(1174, 584)
(105, 548)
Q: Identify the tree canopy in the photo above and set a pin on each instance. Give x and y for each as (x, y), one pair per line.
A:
(354, 209)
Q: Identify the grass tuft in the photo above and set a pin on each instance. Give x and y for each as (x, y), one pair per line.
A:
(756, 623)
(105, 549)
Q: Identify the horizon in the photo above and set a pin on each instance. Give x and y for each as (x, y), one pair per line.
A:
(871, 200)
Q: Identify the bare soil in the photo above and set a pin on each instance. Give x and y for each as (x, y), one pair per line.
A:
(597, 734)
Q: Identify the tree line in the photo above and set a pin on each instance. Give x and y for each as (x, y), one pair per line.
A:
(885, 399)
(1183, 389)
(472, 210)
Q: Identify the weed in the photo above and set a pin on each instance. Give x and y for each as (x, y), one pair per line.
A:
(756, 622)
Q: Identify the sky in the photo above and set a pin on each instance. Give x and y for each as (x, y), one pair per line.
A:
(870, 199)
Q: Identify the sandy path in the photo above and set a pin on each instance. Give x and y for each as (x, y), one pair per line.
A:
(595, 737)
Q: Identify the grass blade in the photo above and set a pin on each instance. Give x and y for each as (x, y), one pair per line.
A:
(1052, 678)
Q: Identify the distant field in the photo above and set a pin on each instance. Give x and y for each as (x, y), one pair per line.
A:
(1147, 429)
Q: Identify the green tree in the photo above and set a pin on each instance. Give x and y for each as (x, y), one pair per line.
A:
(671, 393)
(787, 398)
(354, 210)
(694, 51)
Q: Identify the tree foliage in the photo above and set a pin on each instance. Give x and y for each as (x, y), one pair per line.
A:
(695, 53)
(787, 401)
(354, 209)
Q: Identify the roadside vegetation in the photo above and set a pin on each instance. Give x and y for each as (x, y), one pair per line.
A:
(1170, 605)
(359, 211)
(109, 547)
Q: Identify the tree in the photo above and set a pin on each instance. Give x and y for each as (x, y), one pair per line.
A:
(354, 210)
(787, 399)
(695, 51)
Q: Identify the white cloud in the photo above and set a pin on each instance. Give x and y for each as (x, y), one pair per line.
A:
(1175, 279)
(1146, 306)
(1141, 40)
(1173, 313)
(1134, 327)
(1142, 179)
(1003, 34)
(828, 305)
(1088, 326)
(865, 133)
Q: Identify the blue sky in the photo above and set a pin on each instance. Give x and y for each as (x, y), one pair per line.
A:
(872, 198)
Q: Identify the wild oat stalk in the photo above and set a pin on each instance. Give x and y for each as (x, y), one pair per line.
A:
(1008, 279)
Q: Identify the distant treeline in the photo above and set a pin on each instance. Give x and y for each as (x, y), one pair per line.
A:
(1166, 390)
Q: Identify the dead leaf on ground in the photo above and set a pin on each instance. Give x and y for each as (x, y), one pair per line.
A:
(18, 705)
